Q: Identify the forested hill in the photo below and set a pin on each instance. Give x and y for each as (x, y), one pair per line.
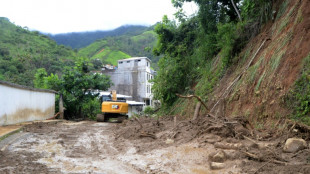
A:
(82, 39)
(111, 49)
(22, 52)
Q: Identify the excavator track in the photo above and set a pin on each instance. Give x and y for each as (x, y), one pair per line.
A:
(100, 118)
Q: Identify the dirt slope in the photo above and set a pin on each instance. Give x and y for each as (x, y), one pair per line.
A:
(259, 93)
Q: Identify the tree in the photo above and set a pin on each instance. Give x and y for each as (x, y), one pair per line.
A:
(219, 8)
(189, 46)
(78, 86)
(97, 63)
(39, 81)
(177, 67)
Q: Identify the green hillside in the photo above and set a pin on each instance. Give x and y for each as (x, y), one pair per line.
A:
(111, 49)
(79, 40)
(101, 50)
(23, 51)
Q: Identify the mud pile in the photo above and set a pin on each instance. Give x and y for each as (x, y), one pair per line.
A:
(234, 138)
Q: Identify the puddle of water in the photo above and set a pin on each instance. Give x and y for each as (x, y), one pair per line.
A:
(74, 123)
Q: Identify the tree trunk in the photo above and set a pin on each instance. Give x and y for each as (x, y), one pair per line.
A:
(197, 109)
(175, 121)
(80, 112)
(237, 11)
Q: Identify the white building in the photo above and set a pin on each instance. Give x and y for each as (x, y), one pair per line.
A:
(132, 78)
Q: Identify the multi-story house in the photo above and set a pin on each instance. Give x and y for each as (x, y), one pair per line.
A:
(132, 77)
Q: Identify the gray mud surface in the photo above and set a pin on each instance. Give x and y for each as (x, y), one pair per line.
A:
(145, 146)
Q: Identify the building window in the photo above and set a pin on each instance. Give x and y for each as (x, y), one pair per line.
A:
(120, 62)
(147, 64)
(147, 102)
(138, 60)
(128, 61)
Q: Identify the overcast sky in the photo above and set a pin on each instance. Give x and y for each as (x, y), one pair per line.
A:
(62, 16)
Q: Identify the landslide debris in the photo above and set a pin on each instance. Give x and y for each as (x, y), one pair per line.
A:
(232, 139)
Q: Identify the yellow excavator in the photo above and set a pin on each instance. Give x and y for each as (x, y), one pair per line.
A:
(112, 107)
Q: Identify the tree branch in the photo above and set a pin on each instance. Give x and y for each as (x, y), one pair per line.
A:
(237, 11)
(194, 96)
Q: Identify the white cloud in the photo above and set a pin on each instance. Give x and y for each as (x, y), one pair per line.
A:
(60, 16)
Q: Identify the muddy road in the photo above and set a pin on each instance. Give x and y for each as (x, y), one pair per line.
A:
(67, 147)
(91, 147)
(147, 146)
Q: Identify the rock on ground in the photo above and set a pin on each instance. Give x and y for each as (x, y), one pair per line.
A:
(294, 144)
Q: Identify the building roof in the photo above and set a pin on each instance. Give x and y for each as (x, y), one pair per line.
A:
(131, 103)
(135, 58)
(117, 95)
(135, 103)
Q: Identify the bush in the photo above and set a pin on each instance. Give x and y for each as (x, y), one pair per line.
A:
(226, 36)
(299, 98)
(148, 110)
(91, 108)
(257, 11)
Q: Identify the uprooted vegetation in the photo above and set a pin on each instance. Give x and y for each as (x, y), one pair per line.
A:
(227, 140)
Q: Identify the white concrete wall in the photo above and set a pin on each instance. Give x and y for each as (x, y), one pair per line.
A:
(21, 104)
